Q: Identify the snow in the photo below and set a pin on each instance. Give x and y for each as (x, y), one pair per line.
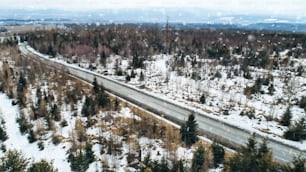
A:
(221, 93)
(57, 154)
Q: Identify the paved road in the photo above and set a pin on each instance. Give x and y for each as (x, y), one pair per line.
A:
(224, 132)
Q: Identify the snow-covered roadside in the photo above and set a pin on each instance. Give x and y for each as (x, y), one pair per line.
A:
(51, 153)
(253, 125)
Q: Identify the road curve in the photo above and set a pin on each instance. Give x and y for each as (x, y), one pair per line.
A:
(226, 133)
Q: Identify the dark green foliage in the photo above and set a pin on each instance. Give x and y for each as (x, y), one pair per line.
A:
(95, 86)
(137, 62)
(22, 82)
(89, 153)
(78, 161)
(155, 166)
(32, 136)
(253, 158)
(55, 112)
(51, 51)
(88, 108)
(13, 161)
(3, 134)
(24, 125)
(141, 77)
(189, 131)
(178, 166)
(302, 103)
(41, 166)
(40, 145)
(102, 99)
(249, 113)
(64, 123)
(160, 167)
(116, 104)
(218, 154)
(299, 70)
(286, 118)
(21, 86)
(260, 59)
(271, 89)
(127, 78)
(202, 99)
(297, 132)
(198, 160)
(299, 164)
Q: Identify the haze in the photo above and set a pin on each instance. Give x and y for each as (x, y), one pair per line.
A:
(270, 7)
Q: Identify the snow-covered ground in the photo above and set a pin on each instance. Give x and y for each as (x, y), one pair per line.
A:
(225, 98)
(56, 154)
(222, 94)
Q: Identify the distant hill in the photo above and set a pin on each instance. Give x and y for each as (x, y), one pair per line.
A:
(179, 18)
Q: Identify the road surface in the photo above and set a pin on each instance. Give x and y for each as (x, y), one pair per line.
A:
(226, 133)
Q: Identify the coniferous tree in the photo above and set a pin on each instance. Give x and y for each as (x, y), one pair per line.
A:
(198, 160)
(3, 134)
(89, 153)
(297, 132)
(13, 161)
(95, 86)
(286, 118)
(252, 158)
(202, 99)
(218, 153)
(42, 166)
(299, 164)
(189, 131)
(78, 161)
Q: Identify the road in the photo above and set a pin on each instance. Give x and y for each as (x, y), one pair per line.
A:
(226, 133)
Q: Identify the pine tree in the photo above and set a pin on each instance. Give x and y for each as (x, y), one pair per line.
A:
(3, 134)
(189, 131)
(13, 161)
(198, 160)
(95, 85)
(252, 158)
(116, 104)
(218, 153)
(42, 166)
(89, 153)
(286, 118)
(202, 99)
(297, 132)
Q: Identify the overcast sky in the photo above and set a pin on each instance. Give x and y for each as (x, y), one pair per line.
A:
(273, 7)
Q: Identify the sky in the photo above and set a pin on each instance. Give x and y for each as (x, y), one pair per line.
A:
(273, 7)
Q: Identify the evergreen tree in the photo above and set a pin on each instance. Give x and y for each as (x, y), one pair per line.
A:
(297, 132)
(218, 153)
(286, 118)
(42, 166)
(95, 86)
(198, 160)
(89, 153)
(202, 99)
(13, 161)
(32, 136)
(116, 104)
(299, 164)
(3, 134)
(302, 103)
(178, 166)
(55, 112)
(189, 131)
(78, 161)
(252, 158)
